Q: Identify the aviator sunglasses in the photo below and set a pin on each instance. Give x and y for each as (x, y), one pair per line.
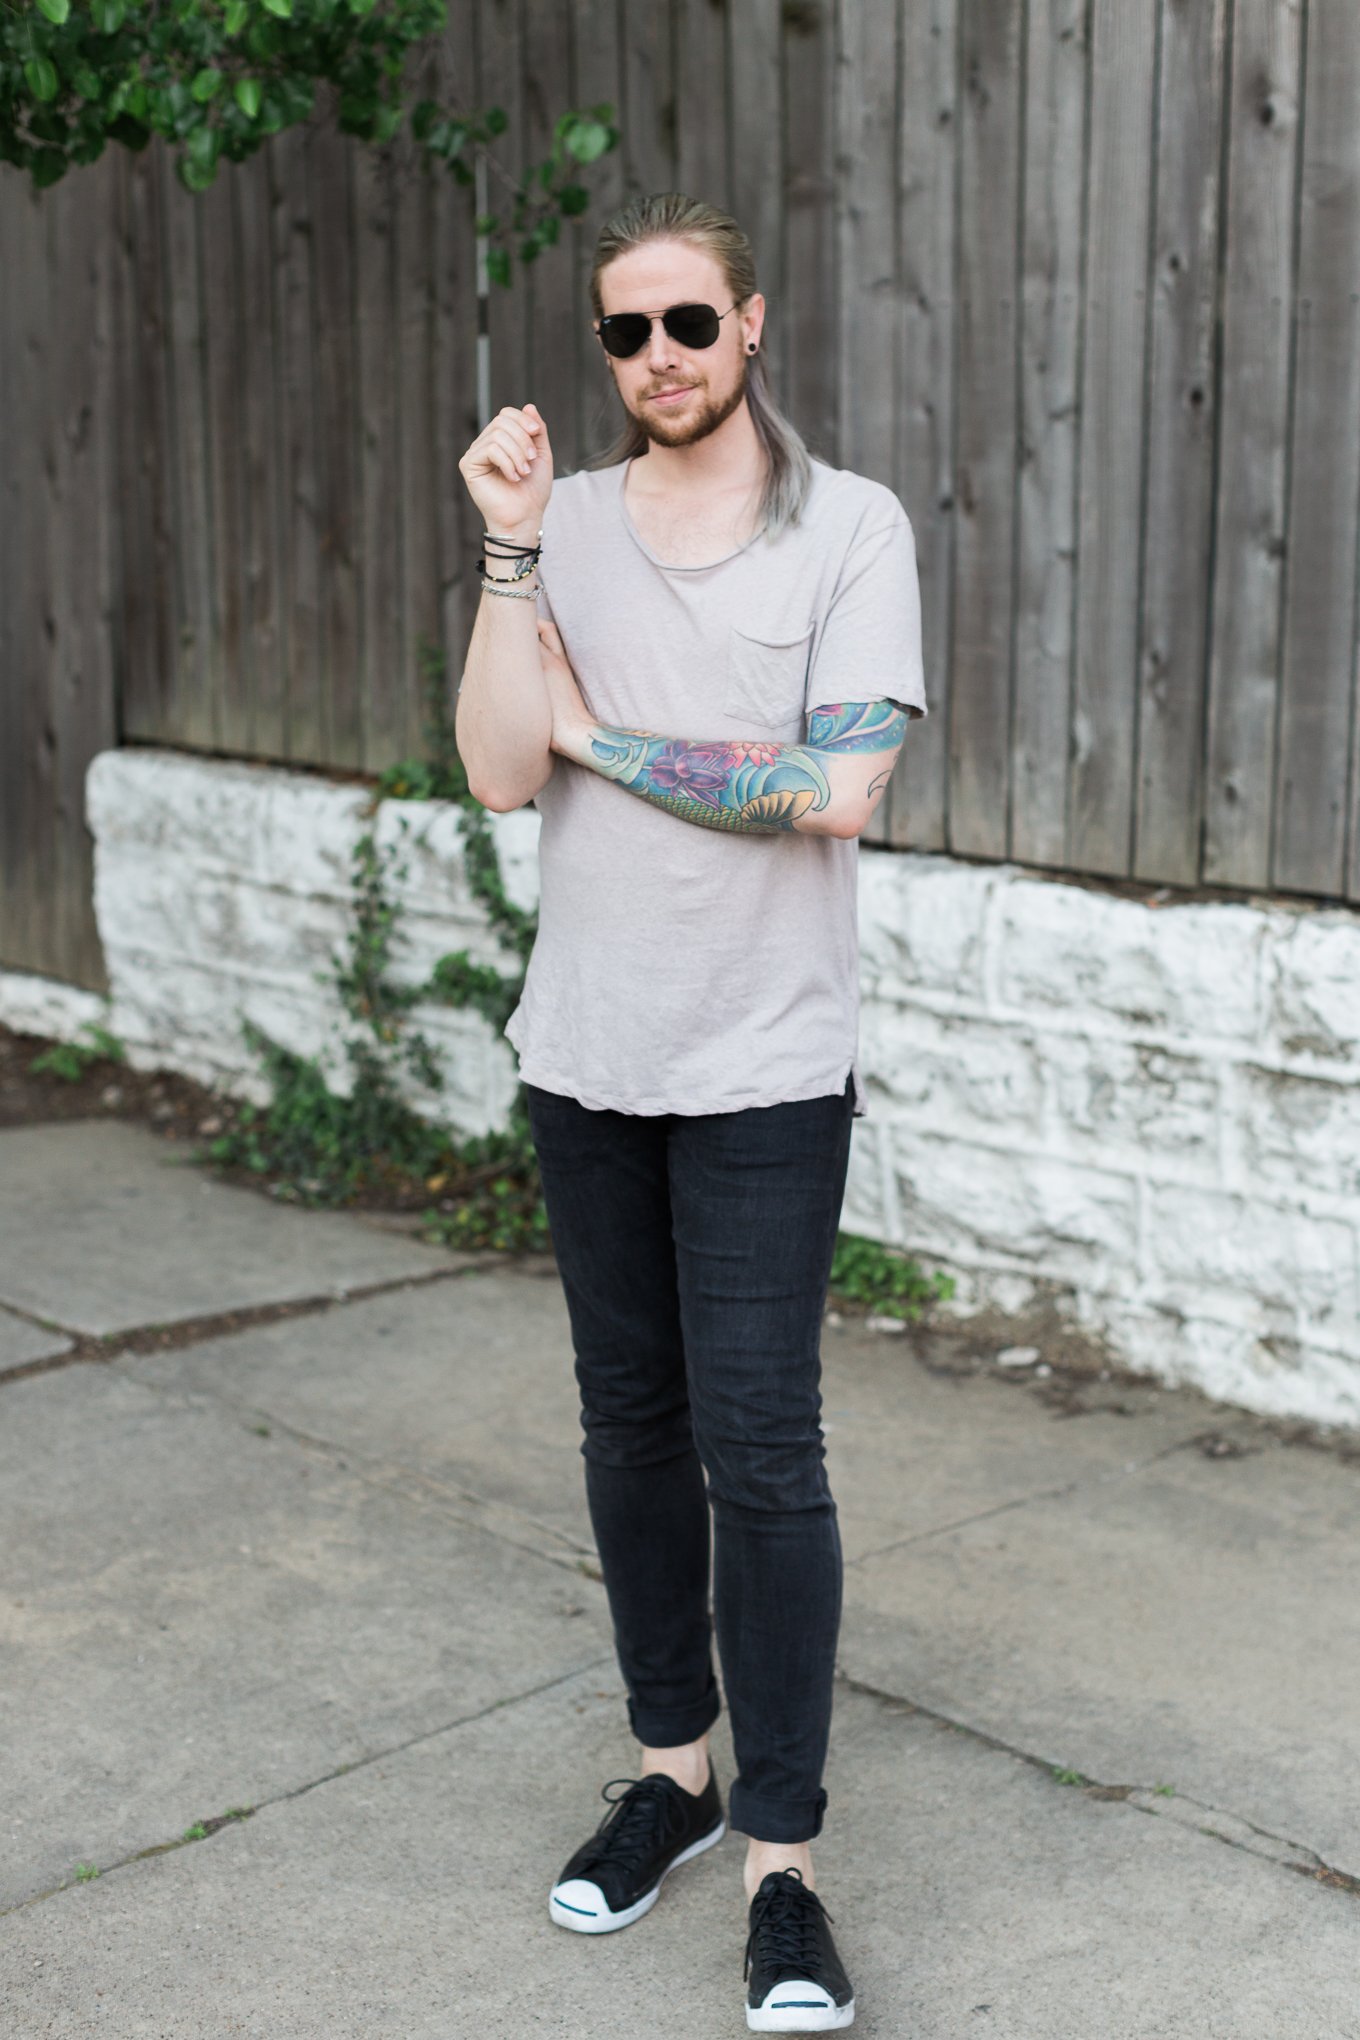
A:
(623, 333)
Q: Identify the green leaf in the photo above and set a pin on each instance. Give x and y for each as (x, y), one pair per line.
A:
(47, 166)
(246, 92)
(235, 16)
(41, 74)
(88, 83)
(55, 10)
(587, 140)
(206, 83)
(283, 8)
(107, 15)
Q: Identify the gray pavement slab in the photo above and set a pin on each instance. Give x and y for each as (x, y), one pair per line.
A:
(1089, 1587)
(22, 1341)
(1193, 1622)
(104, 1226)
(407, 1897)
(468, 1381)
(195, 1616)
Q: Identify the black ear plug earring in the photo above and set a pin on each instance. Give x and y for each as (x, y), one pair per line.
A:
(750, 347)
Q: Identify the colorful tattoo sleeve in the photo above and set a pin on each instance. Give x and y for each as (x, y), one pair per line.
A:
(756, 787)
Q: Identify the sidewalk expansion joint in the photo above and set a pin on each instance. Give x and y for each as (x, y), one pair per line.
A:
(1160, 1801)
(172, 1335)
(502, 1521)
(1046, 1494)
(238, 1814)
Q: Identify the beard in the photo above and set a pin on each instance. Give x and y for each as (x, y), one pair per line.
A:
(696, 419)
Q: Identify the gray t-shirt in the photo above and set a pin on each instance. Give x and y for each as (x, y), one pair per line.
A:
(678, 968)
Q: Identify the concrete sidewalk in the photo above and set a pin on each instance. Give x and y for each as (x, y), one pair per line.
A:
(295, 1552)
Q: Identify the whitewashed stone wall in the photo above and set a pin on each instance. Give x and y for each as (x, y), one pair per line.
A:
(1143, 1119)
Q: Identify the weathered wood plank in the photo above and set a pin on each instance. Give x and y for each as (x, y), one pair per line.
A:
(809, 315)
(382, 681)
(197, 718)
(260, 427)
(1256, 292)
(867, 244)
(224, 385)
(548, 284)
(598, 66)
(297, 457)
(927, 186)
(458, 534)
(1056, 58)
(339, 501)
(82, 504)
(146, 487)
(28, 856)
(501, 63)
(1178, 539)
(755, 46)
(987, 430)
(418, 605)
(702, 163)
(1112, 436)
(1320, 571)
(650, 143)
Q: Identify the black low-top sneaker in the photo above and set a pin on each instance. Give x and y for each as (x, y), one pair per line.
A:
(795, 1982)
(616, 1877)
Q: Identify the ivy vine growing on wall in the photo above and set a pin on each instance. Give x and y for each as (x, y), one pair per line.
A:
(321, 1146)
(214, 79)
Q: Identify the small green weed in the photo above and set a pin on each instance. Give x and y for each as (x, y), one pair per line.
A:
(1065, 1777)
(889, 1283)
(71, 1059)
(85, 1871)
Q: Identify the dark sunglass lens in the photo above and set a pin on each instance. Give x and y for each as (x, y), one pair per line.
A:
(624, 332)
(693, 325)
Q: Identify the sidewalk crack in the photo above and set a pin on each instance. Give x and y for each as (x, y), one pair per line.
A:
(1219, 1824)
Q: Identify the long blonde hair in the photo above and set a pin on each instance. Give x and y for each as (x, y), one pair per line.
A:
(670, 216)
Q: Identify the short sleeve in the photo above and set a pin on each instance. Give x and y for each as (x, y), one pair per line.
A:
(869, 645)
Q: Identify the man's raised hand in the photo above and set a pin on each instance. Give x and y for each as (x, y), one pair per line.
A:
(509, 472)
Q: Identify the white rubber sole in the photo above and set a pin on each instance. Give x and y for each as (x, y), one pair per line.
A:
(579, 1905)
(798, 2008)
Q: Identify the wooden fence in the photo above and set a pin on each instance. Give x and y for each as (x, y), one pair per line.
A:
(1080, 279)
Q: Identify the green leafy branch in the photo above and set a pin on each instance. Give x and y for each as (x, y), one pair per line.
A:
(215, 79)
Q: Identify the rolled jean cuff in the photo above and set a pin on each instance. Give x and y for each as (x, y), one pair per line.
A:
(666, 1728)
(775, 1820)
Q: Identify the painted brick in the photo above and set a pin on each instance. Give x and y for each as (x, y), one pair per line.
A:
(1300, 1129)
(947, 1073)
(1190, 969)
(1145, 1105)
(1314, 979)
(921, 924)
(1261, 1251)
(983, 1202)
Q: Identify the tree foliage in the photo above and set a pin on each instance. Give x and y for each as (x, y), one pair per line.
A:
(215, 78)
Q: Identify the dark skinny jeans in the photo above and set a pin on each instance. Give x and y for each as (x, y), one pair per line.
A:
(695, 1252)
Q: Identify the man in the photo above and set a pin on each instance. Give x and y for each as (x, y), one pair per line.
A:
(706, 712)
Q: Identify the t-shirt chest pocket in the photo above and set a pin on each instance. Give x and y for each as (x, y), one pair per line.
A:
(766, 677)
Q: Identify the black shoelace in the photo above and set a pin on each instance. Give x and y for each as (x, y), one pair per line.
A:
(639, 1820)
(784, 1927)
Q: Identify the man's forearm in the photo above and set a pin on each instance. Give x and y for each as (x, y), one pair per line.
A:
(736, 784)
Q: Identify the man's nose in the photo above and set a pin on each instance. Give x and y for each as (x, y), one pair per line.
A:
(661, 348)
